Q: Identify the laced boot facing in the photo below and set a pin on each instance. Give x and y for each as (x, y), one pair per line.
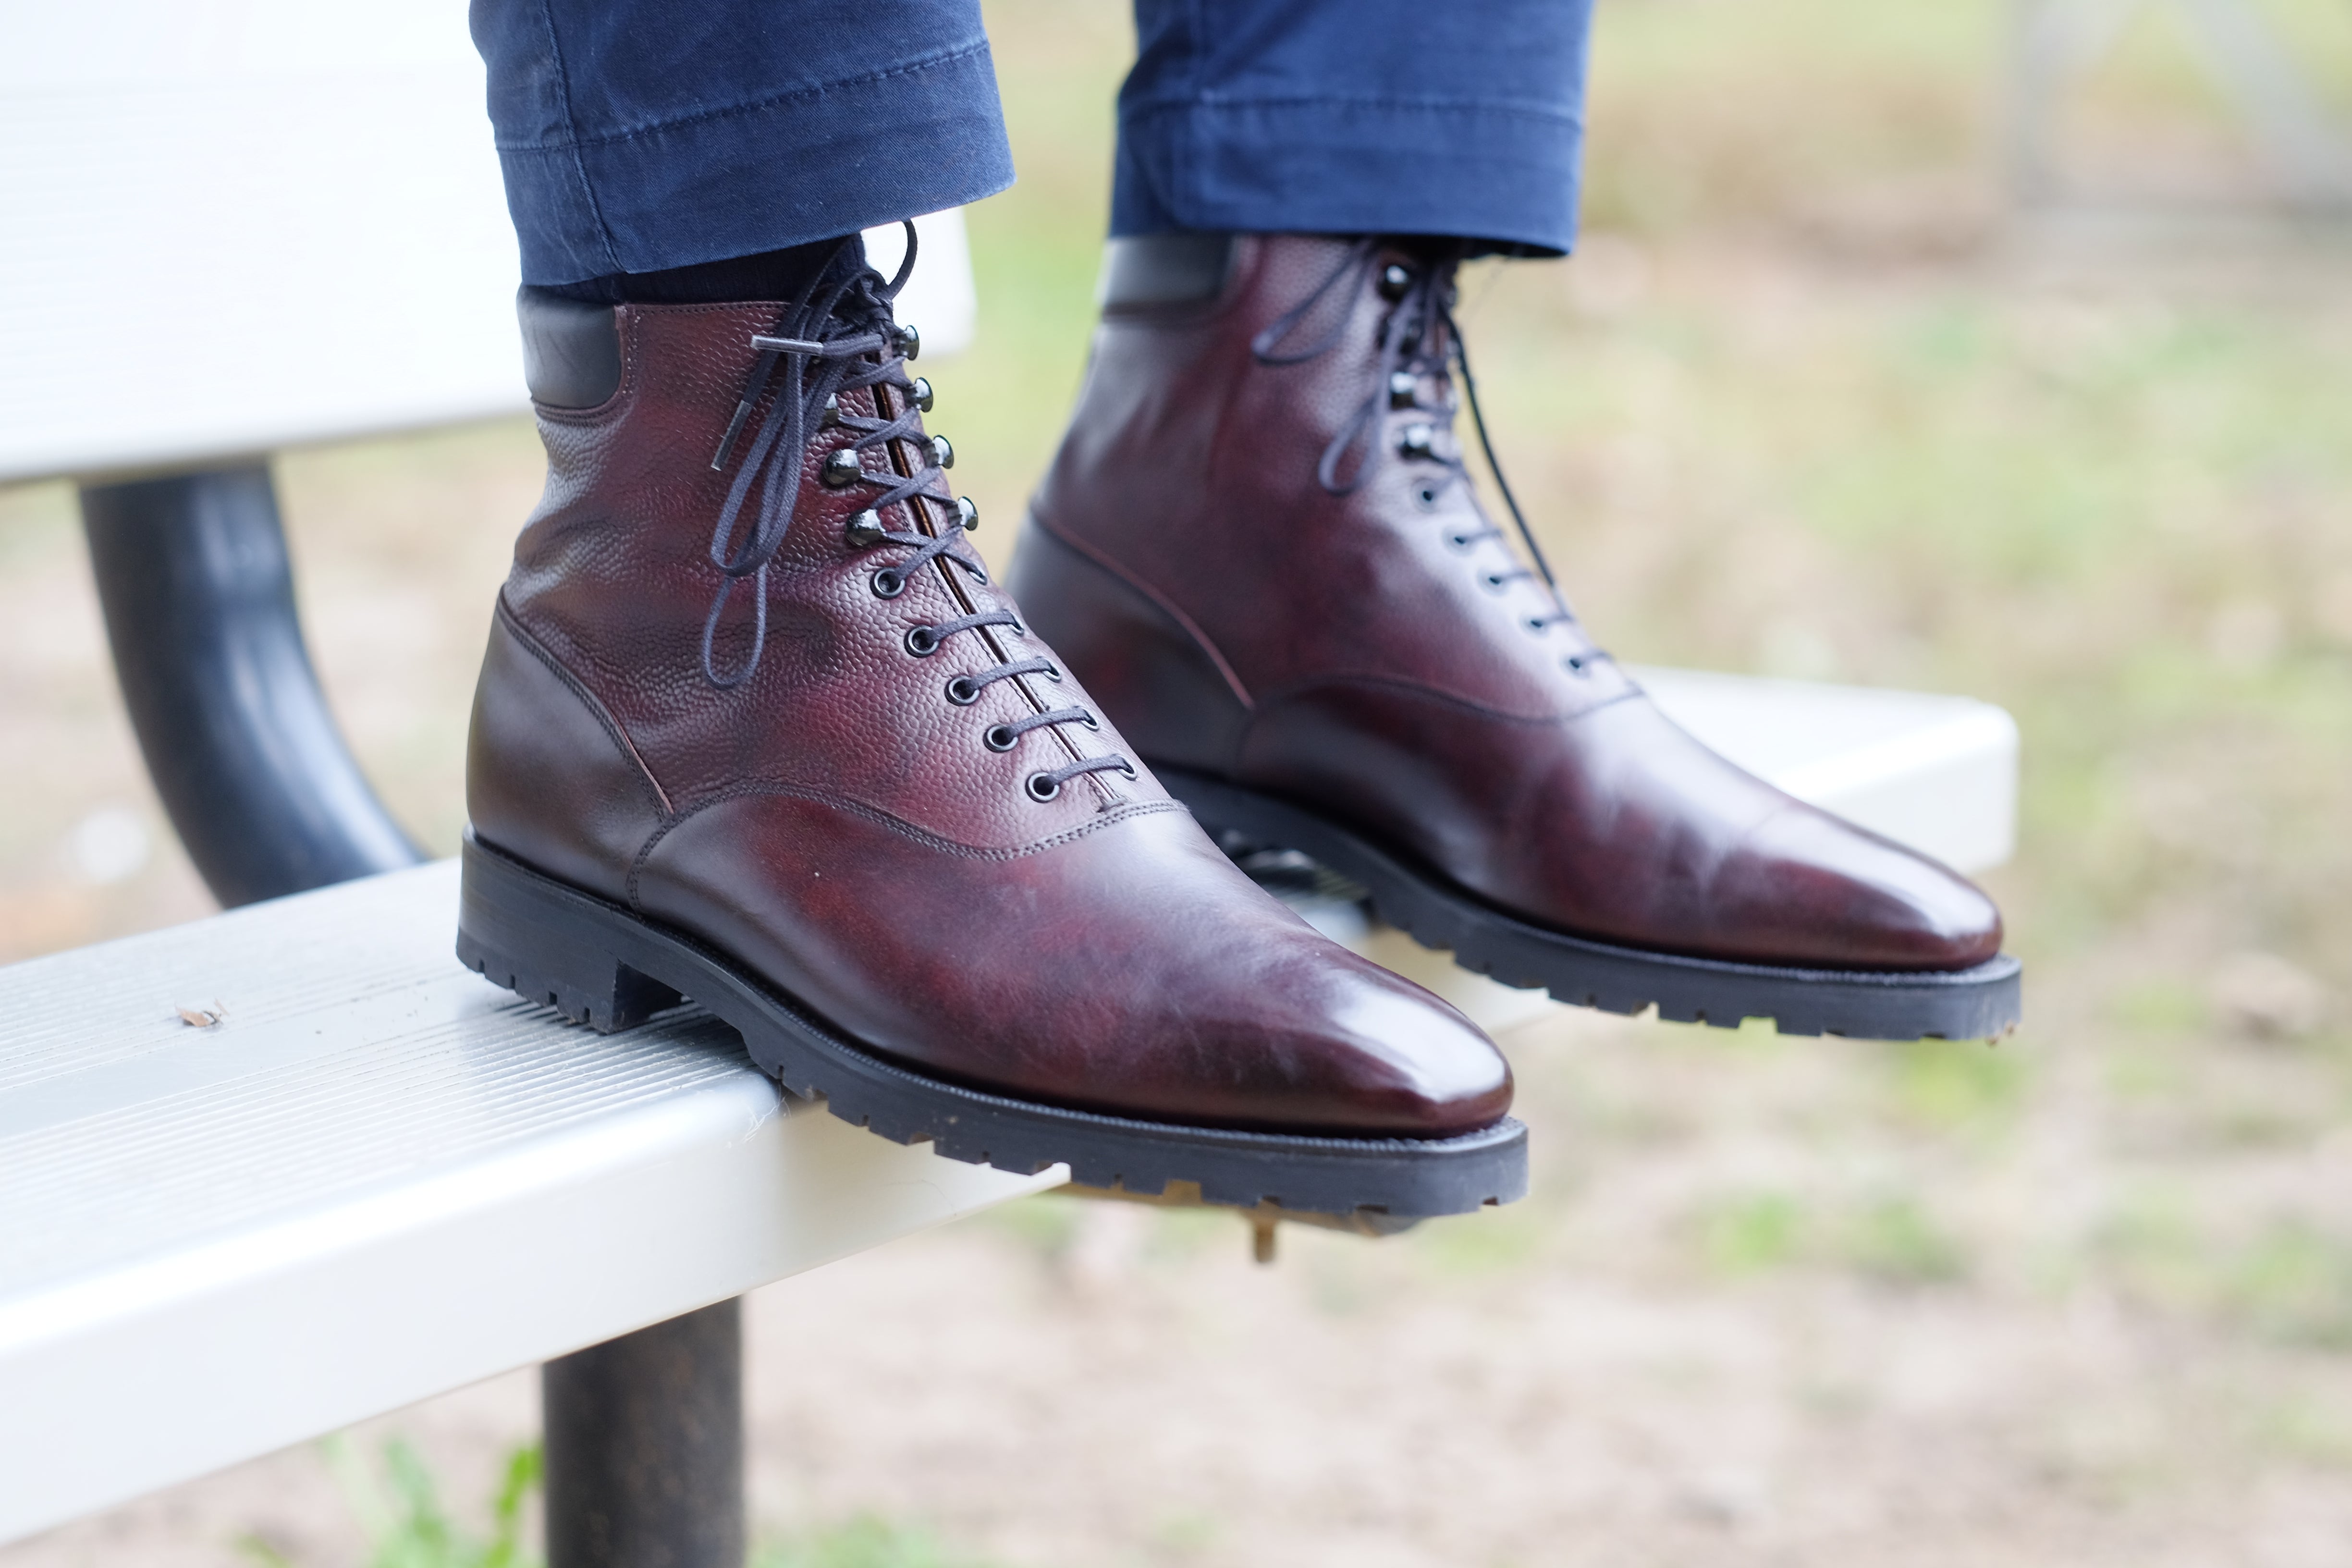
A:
(1261, 549)
(756, 728)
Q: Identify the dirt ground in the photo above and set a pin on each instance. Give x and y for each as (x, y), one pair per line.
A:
(1814, 401)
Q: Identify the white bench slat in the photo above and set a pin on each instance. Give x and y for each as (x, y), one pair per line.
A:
(381, 1178)
(231, 229)
(1935, 772)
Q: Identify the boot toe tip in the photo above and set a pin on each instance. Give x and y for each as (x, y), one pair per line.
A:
(1423, 1070)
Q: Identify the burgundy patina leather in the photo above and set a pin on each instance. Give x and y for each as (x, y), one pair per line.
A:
(1381, 655)
(835, 824)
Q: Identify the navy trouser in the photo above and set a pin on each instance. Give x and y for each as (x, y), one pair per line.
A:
(638, 136)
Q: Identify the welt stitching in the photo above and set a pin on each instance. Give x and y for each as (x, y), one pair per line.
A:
(1415, 689)
(1432, 106)
(579, 166)
(753, 106)
(1159, 601)
(604, 715)
(881, 818)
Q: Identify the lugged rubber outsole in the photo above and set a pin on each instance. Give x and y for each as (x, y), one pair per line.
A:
(602, 965)
(1981, 1003)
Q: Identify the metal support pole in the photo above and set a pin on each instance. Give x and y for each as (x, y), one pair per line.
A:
(199, 599)
(644, 1446)
(645, 1432)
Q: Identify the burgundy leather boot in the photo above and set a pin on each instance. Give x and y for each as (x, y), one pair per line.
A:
(1261, 549)
(755, 728)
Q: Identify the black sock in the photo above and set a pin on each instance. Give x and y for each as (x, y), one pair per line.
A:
(769, 275)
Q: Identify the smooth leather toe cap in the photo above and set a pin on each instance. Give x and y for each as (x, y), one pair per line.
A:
(1127, 970)
(1417, 1069)
(1286, 1031)
(1848, 898)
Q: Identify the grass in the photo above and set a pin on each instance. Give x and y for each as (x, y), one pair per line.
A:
(866, 1541)
(401, 1513)
(1894, 1241)
(397, 1504)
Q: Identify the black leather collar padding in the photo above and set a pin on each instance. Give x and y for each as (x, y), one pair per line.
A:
(571, 351)
(1166, 269)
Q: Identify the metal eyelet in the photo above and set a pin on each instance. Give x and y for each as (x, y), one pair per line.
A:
(1495, 582)
(1537, 624)
(907, 341)
(1040, 788)
(1090, 722)
(962, 691)
(864, 530)
(1577, 668)
(1394, 281)
(922, 641)
(1128, 770)
(944, 451)
(923, 398)
(1460, 544)
(999, 737)
(1425, 496)
(841, 468)
(888, 583)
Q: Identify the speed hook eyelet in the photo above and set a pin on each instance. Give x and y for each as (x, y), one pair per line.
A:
(841, 468)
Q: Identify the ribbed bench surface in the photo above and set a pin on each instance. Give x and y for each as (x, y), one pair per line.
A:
(377, 1178)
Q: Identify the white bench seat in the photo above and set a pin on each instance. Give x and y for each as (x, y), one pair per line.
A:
(378, 1178)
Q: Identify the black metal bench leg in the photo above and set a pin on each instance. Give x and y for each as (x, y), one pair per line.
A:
(644, 1446)
(199, 600)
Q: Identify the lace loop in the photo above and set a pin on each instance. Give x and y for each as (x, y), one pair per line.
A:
(1419, 341)
(840, 336)
(835, 337)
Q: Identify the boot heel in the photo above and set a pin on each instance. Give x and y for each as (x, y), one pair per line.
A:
(542, 942)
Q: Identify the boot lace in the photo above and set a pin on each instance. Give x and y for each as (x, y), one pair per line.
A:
(1420, 345)
(838, 336)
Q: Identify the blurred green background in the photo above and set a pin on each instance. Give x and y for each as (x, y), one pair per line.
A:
(1815, 399)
